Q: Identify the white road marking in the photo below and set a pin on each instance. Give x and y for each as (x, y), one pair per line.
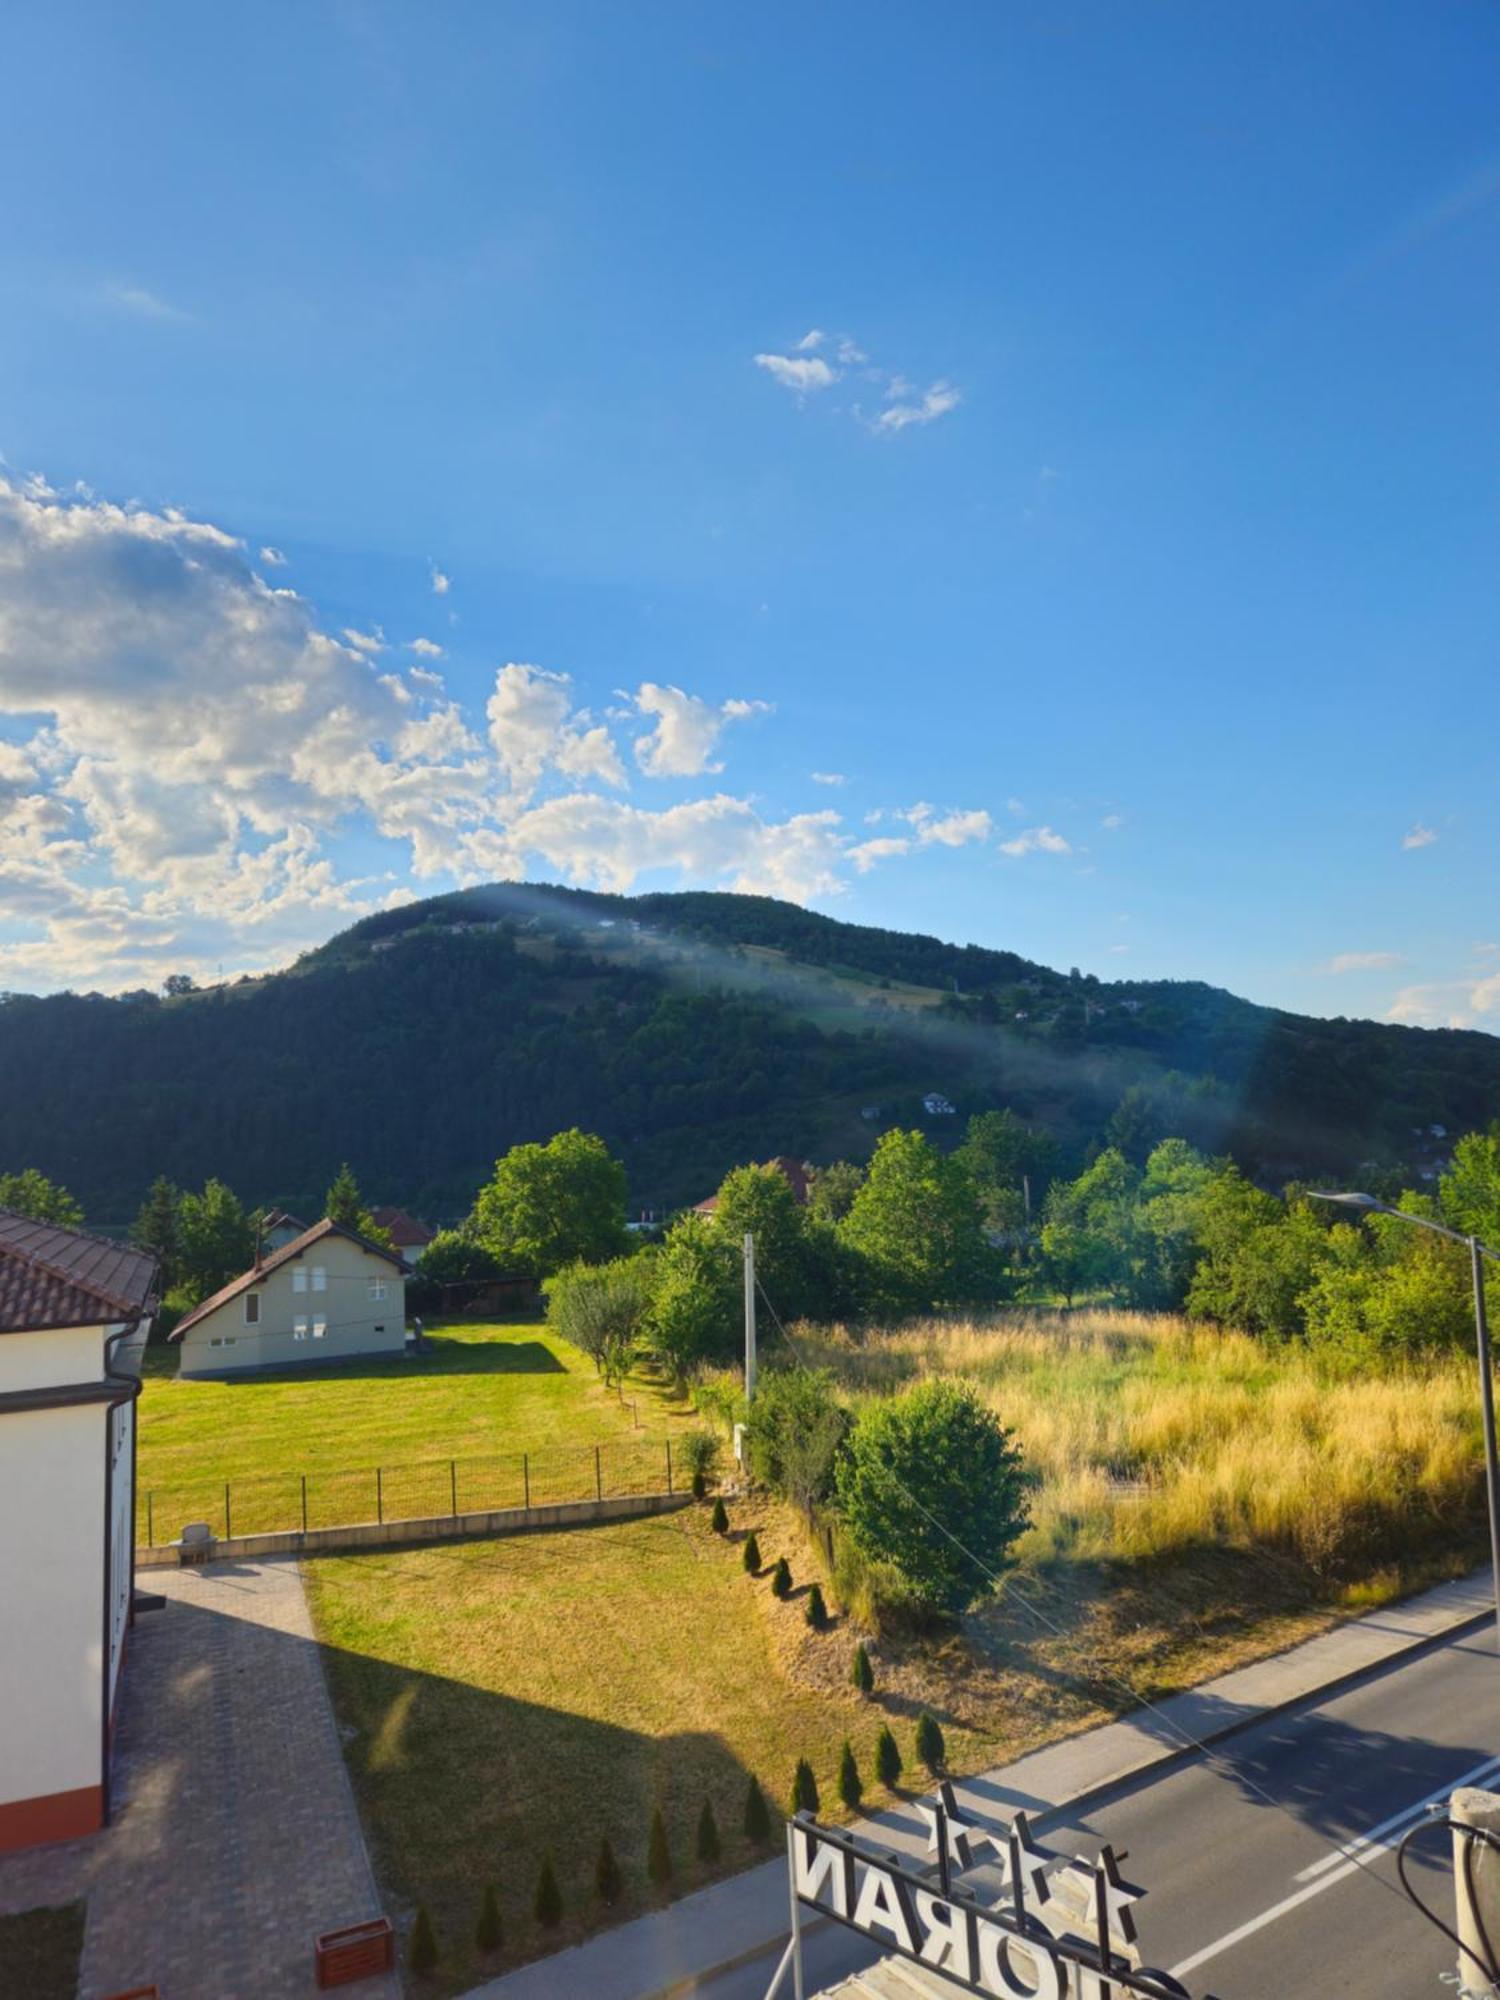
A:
(1378, 1840)
(1353, 1848)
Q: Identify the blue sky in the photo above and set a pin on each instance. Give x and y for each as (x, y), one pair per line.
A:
(1071, 428)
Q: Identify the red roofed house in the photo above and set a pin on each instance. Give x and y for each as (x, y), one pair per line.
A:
(795, 1172)
(409, 1236)
(74, 1314)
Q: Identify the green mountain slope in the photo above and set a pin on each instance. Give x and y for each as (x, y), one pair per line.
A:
(692, 1031)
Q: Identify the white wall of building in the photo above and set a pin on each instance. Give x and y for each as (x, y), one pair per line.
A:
(334, 1301)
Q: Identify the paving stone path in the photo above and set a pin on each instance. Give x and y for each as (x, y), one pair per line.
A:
(235, 1839)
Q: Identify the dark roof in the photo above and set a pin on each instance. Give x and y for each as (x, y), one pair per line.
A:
(277, 1258)
(54, 1277)
(402, 1228)
(280, 1219)
(793, 1172)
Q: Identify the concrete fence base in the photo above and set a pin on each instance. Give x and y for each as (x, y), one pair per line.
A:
(391, 1534)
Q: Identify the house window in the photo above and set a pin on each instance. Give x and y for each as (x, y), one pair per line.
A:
(320, 1278)
(299, 1327)
(299, 1277)
(377, 1290)
(252, 1308)
(320, 1327)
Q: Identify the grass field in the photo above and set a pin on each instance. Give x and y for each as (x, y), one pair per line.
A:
(484, 1396)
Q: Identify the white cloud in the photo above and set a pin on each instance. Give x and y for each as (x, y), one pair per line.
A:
(533, 728)
(803, 374)
(1111, 821)
(1420, 836)
(1037, 840)
(272, 558)
(1362, 961)
(441, 584)
(956, 829)
(814, 337)
(1452, 1003)
(425, 649)
(829, 778)
(365, 642)
(934, 403)
(141, 301)
(868, 853)
(687, 730)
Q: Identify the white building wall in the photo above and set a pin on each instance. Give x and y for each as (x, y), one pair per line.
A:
(354, 1322)
(51, 1360)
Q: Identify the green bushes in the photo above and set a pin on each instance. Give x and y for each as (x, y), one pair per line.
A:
(816, 1611)
(750, 1555)
(719, 1519)
(851, 1787)
(757, 1814)
(709, 1848)
(602, 1309)
(699, 1453)
(547, 1906)
(781, 1578)
(804, 1788)
(422, 1951)
(658, 1852)
(608, 1880)
(862, 1673)
(888, 1765)
(931, 1748)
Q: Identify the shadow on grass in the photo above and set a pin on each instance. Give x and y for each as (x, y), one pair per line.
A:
(40, 1952)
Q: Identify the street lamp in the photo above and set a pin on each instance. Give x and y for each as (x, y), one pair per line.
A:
(1477, 1253)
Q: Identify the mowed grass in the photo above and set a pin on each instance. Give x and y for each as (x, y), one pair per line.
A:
(506, 1699)
(487, 1393)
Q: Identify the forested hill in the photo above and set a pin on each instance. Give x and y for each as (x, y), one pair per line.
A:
(691, 1031)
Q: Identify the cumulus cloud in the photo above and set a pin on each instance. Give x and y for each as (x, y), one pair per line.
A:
(916, 409)
(806, 370)
(272, 558)
(1420, 836)
(425, 649)
(687, 730)
(955, 829)
(1362, 961)
(365, 642)
(1037, 840)
(441, 584)
(868, 853)
(803, 374)
(1451, 1003)
(533, 726)
(829, 778)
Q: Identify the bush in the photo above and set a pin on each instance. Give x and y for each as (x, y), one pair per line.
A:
(781, 1578)
(489, 1932)
(751, 1557)
(862, 1674)
(699, 1452)
(888, 1766)
(658, 1853)
(719, 1519)
(708, 1833)
(548, 1907)
(851, 1789)
(695, 1306)
(804, 1788)
(816, 1611)
(422, 1952)
(608, 1881)
(757, 1814)
(793, 1433)
(930, 1746)
(934, 1455)
(602, 1308)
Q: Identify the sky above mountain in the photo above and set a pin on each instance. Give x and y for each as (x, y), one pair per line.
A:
(1022, 473)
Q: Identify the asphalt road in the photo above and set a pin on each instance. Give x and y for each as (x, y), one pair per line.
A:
(1270, 1862)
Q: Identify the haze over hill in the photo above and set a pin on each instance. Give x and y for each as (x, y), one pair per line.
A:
(692, 1031)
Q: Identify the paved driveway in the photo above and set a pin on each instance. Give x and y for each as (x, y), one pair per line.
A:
(235, 1839)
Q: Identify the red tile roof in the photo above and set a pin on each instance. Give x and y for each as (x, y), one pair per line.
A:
(277, 1258)
(55, 1277)
(794, 1172)
(404, 1230)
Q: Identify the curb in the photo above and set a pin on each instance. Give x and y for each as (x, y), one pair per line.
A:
(1158, 1766)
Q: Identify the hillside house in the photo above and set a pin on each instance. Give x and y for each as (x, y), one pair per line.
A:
(407, 1234)
(328, 1295)
(796, 1173)
(937, 1106)
(74, 1313)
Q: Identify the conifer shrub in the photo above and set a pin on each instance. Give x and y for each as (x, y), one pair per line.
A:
(608, 1881)
(781, 1578)
(757, 1814)
(751, 1556)
(658, 1853)
(804, 1788)
(489, 1932)
(862, 1673)
(709, 1848)
(851, 1787)
(719, 1519)
(548, 1907)
(930, 1746)
(815, 1611)
(422, 1952)
(888, 1765)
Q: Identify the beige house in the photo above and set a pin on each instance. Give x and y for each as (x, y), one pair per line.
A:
(328, 1295)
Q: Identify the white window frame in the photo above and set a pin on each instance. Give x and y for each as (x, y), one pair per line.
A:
(319, 1326)
(319, 1278)
(299, 1277)
(252, 1308)
(299, 1327)
(377, 1290)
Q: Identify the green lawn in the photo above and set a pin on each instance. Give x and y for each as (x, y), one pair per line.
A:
(486, 1395)
(39, 1953)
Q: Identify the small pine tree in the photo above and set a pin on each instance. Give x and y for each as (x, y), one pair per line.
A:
(851, 1787)
(751, 1557)
(700, 1485)
(930, 1747)
(709, 1848)
(888, 1765)
(781, 1578)
(608, 1881)
(804, 1788)
(815, 1611)
(863, 1674)
(658, 1853)
(757, 1814)
(422, 1952)
(548, 1907)
(719, 1519)
(489, 1932)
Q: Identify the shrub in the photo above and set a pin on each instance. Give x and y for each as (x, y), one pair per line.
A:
(935, 1455)
(816, 1611)
(804, 1788)
(930, 1746)
(708, 1833)
(608, 1881)
(719, 1519)
(793, 1432)
(751, 1557)
(888, 1764)
(851, 1789)
(602, 1309)
(757, 1814)
(422, 1952)
(548, 1907)
(862, 1674)
(489, 1932)
(781, 1578)
(699, 1451)
(658, 1853)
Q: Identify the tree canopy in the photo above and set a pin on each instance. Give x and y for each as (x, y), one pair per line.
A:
(553, 1204)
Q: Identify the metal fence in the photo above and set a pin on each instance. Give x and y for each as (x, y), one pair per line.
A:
(278, 1502)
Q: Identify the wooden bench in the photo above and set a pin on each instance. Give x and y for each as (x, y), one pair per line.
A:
(355, 1952)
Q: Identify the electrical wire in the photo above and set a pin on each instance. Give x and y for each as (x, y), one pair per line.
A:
(1477, 1836)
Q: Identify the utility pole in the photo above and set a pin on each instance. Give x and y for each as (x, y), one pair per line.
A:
(749, 1317)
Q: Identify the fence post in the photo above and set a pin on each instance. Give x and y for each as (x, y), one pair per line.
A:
(379, 1496)
(150, 1523)
(304, 1503)
(669, 1468)
(228, 1529)
(598, 1476)
(453, 1485)
(526, 1479)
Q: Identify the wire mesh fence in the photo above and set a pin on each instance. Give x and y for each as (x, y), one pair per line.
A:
(281, 1502)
